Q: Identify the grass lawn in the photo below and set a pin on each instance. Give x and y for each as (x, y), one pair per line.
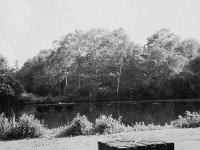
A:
(184, 139)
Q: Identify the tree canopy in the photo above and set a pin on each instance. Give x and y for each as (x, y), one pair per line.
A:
(103, 63)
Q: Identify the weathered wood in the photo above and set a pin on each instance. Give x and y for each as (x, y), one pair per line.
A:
(125, 144)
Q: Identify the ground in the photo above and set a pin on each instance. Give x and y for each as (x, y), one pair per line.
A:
(184, 139)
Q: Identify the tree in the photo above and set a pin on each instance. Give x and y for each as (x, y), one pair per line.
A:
(163, 38)
(194, 66)
(99, 62)
(3, 64)
(123, 42)
(133, 75)
(10, 89)
(163, 61)
(34, 76)
(189, 48)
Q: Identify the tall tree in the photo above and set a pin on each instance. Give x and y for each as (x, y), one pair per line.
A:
(163, 61)
(122, 42)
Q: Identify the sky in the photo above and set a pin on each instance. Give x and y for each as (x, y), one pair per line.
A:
(28, 26)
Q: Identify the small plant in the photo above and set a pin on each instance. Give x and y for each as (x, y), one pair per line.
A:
(79, 126)
(140, 126)
(107, 124)
(190, 120)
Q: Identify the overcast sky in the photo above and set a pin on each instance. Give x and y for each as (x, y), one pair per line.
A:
(27, 26)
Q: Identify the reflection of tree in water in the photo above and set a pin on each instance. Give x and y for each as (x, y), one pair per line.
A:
(8, 110)
(55, 116)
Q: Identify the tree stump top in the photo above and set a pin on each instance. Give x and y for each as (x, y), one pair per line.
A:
(128, 144)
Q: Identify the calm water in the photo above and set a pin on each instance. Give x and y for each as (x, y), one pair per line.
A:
(157, 113)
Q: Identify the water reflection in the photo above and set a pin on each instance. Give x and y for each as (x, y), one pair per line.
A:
(157, 113)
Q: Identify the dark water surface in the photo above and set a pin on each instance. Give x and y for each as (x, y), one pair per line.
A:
(148, 112)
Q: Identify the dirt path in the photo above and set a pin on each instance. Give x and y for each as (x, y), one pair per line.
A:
(184, 139)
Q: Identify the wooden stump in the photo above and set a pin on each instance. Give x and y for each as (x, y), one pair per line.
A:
(135, 145)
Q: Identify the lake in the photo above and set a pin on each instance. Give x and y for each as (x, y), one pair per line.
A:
(148, 112)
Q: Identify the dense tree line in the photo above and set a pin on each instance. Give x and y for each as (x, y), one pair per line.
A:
(102, 65)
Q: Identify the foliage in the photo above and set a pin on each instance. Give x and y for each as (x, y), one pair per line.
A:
(194, 65)
(5, 126)
(3, 64)
(26, 127)
(10, 89)
(165, 39)
(189, 48)
(6, 90)
(34, 76)
(100, 65)
(190, 120)
(107, 124)
(140, 126)
(28, 98)
(79, 126)
(104, 94)
(9, 86)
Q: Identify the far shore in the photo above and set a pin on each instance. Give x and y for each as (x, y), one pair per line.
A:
(184, 139)
(135, 101)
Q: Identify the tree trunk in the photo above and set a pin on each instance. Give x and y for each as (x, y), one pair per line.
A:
(79, 82)
(66, 85)
(118, 78)
(66, 81)
(78, 71)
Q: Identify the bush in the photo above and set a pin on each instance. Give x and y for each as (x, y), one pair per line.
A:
(108, 125)
(79, 126)
(26, 127)
(29, 127)
(5, 126)
(190, 120)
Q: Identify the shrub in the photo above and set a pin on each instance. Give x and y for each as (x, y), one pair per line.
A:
(79, 126)
(29, 127)
(190, 120)
(5, 126)
(26, 127)
(108, 125)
